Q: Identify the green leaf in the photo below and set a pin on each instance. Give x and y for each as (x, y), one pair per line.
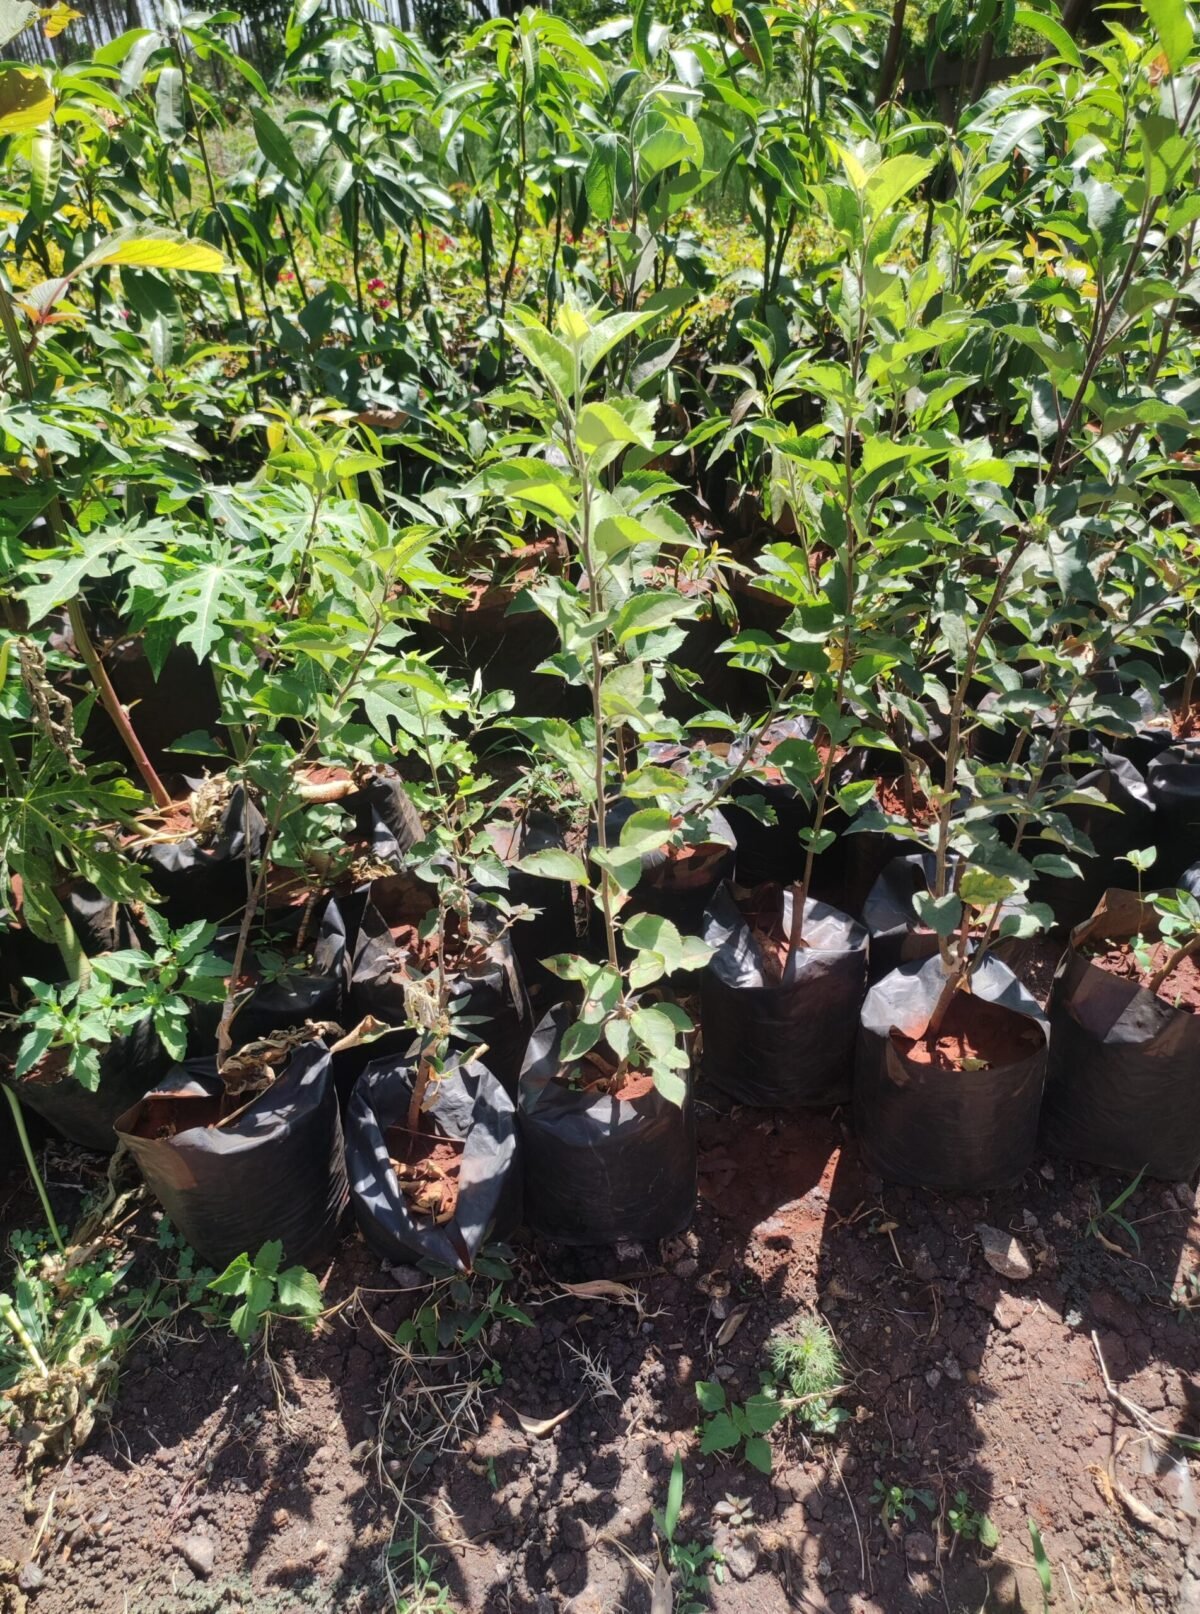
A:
(620, 864)
(710, 1395)
(600, 177)
(267, 1259)
(647, 830)
(892, 181)
(554, 864)
(980, 888)
(276, 147)
(45, 169)
(674, 1497)
(579, 1039)
(1171, 23)
(655, 1031)
(15, 17)
(168, 104)
(653, 608)
(720, 1434)
(1051, 29)
(26, 99)
(551, 358)
(942, 915)
(235, 1279)
(758, 1454)
(300, 1293)
(144, 246)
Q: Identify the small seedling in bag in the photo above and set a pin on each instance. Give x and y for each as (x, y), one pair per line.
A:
(266, 1292)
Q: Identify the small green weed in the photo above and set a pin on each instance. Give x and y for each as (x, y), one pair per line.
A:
(806, 1371)
(460, 1310)
(687, 1561)
(730, 1426)
(1042, 1562)
(898, 1501)
(423, 1592)
(1112, 1213)
(266, 1292)
(969, 1524)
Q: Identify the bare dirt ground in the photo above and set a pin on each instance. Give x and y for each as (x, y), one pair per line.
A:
(200, 1495)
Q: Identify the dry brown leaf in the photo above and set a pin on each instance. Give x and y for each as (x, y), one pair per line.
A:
(1145, 1516)
(536, 1428)
(731, 1325)
(604, 1289)
(662, 1599)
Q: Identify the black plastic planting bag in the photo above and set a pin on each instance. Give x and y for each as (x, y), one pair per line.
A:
(790, 1043)
(204, 877)
(1112, 833)
(769, 852)
(1123, 1088)
(274, 1169)
(599, 1169)
(485, 983)
(890, 915)
(552, 930)
(962, 1131)
(313, 993)
(129, 1067)
(384, 815)
(470, 1105)
(1174, 781)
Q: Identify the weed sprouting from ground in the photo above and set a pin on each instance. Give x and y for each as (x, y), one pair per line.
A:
(807, 1371)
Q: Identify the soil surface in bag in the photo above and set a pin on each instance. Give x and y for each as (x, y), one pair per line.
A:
(936, 1119)
(1174, 782)
(197, 863)
(231, 1172)
(392, 962)
(440, 1194)
(780, 1024)
(599, 1169)
(129, 1067)
(1123, 1089)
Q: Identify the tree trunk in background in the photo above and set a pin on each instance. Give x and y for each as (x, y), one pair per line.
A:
(891, 58)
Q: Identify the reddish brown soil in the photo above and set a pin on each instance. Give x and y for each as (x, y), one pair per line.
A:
(509, 574)
(162, 1116)
(685, 867)
(1181, 988)
(427, 1167)
(762, 909)
(1185, 725)
(957, 1379)
(600, 1067)
(975, 1035)
(890, 793)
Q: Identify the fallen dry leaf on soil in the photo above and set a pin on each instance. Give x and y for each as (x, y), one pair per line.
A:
(535, 1428)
